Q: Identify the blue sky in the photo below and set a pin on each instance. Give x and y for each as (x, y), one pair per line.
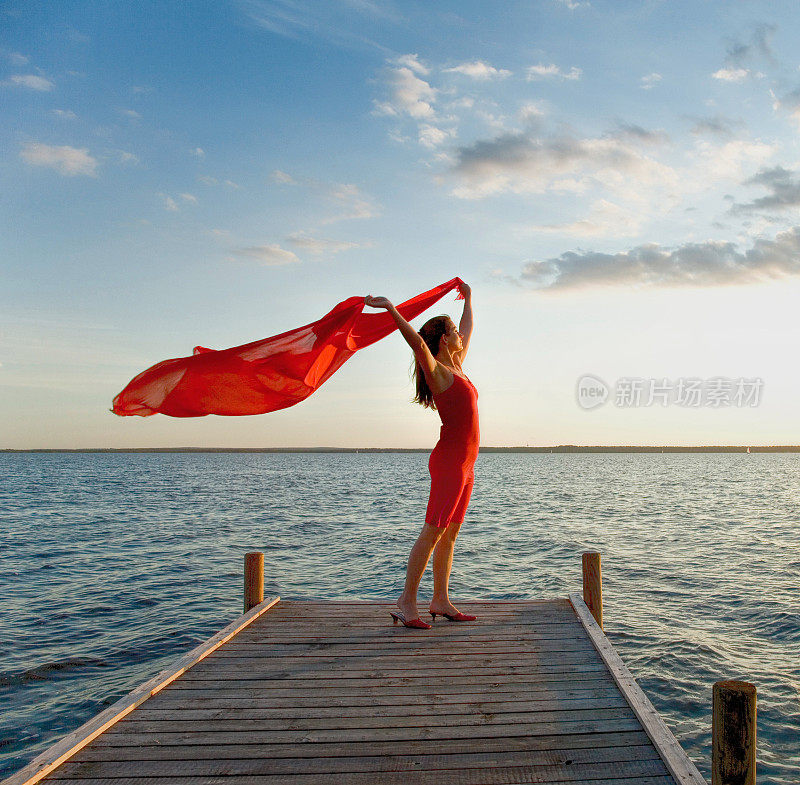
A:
(619, 183)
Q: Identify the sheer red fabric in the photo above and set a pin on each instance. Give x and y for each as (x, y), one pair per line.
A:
(266, 375)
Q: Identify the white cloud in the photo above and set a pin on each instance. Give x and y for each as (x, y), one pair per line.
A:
(412, 62)
(431, 137)
(199, 152)
(728, 161)
(65, 160)
(709, 263)
(605, 219)
(282, 177)
(270, 255)
(542, 71)
(479, 70)
(190, 198)
(409, 95)
(31, 81)
(730, 74)
(204, 178)
(127, 158)
(65, 114)
(17, 59)
(530, 163)
(353, 203)
(319, 246)
(647, 82)
(130, 113)
(169, 203)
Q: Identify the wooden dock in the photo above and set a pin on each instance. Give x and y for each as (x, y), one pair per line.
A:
(324, 693)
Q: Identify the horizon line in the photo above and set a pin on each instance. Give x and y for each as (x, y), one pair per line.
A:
(561, 448)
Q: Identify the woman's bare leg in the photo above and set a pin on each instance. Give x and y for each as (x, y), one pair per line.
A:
(442, 564)
(417, 561)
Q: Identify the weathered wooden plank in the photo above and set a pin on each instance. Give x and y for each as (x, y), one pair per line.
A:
(398, 734)
(676, 760)
(357, 656)
(381, 619)
(256, 766)
(470, 776)
(513, 780)
(353, 749)
(196, 716)
(422, 679)
(464, 633)
(445, 719)
(292, 611)
(541, 603)
(249, 709)
(350, 650)
(52, 757)
(333, 667)
(220, 696)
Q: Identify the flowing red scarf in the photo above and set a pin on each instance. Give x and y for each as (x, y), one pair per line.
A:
(266, 375)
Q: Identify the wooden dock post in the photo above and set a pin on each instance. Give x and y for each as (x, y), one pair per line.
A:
(733, 741)
(593, 585)
(253, 579)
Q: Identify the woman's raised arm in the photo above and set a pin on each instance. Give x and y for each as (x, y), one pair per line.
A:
(413, 338)
(465, 327)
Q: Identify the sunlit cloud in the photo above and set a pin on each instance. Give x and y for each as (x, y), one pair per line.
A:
(352, 204)
(710, 263)
(731, 74)
(269, 255)
(649, 81)
(282, 177)
(30, 81)
(479, 71)
(542, 71)
(530, 163)
(430, 136)
(17, 59)
(409, 94)
(64, 114)
(169, 203)
(605, 219)
(412, 61)
(319, 246)
(65, 160)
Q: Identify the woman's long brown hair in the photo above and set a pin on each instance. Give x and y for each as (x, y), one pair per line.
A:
(431, 332)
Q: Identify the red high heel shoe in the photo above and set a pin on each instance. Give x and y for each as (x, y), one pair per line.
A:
(454, 616)
(417, 623)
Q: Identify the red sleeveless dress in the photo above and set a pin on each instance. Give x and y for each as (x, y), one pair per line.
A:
(452, 460)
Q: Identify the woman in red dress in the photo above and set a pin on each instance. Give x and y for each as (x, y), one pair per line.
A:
(439, 350)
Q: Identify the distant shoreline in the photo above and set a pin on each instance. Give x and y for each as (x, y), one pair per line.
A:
(563, 448)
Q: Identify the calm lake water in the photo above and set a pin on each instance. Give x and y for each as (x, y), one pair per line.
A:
(113, 564)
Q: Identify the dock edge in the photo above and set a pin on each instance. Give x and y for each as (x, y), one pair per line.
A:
(678, 763)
